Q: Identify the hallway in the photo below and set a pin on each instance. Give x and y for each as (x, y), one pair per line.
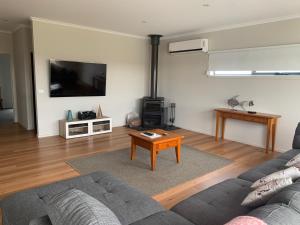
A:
(6, 116)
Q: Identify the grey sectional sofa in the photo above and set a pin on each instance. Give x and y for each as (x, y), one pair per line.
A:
(222, 202)
(129, 205)
(213, 206)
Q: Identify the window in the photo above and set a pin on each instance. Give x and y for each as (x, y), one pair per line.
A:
(263, 61)
(253, 73)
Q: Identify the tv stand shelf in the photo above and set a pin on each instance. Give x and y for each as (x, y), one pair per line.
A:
(83, 128)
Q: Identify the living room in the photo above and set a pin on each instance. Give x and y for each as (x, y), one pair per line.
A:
(209, 68)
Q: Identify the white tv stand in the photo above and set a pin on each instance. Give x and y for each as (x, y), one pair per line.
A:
(82, 128)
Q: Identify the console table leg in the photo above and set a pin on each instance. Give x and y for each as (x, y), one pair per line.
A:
(217, 125)
(223, 127)
(269, 131)
(274, 134)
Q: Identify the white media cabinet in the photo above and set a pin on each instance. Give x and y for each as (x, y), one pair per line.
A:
(82, 128)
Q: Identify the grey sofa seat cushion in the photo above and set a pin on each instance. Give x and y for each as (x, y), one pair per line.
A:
(160, 218)
(74, 207)
(289, 154)
(217, 204)
(276, 214)
(127, 203)
(289, 196)
(163, 218)
(263, 170)
(44, 220)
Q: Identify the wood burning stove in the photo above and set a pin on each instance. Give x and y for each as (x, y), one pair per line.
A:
(153, 115)
(153, 107)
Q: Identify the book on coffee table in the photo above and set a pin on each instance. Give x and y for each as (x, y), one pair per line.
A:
(151, 135)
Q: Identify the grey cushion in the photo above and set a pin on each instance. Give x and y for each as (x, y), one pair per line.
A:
(74, 207)
(289, 154)
(45, 220)
(163, 218)
(263, 170)
(276, 214)
(296, 141)
(129, 204)
(289, 196)
(217, 204)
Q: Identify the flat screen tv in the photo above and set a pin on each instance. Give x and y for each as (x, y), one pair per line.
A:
(73, 79)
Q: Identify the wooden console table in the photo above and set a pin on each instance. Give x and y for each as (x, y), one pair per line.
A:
(268, 119)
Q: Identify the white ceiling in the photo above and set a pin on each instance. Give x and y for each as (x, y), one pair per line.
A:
(167, 17)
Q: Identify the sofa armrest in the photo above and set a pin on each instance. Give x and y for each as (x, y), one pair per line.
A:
(296, 141)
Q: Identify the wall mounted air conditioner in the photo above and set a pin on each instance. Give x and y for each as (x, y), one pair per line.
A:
(189, 46)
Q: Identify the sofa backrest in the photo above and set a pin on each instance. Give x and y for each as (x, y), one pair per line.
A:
(276, 214)
(127, 203)
(296, 141)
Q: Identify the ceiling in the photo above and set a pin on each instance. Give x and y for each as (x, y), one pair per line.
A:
(142, 17)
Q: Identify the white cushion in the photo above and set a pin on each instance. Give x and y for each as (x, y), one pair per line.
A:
(297, 165)
(262, 194)
(292, 172)
(293, 161)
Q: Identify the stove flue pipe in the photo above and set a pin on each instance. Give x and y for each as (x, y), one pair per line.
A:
(155, 41)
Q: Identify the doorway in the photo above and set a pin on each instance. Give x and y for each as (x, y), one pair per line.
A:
(6, 90)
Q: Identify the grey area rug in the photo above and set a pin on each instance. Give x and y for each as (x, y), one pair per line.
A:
(137, 173)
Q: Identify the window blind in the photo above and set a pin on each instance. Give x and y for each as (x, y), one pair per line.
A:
(271, 59)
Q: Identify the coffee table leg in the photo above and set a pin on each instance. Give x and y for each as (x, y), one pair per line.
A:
(177, 150)
(153, 159)
(133, 150)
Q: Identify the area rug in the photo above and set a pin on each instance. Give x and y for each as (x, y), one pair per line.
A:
(194, 163)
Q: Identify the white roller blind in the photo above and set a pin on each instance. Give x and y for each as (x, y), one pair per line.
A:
(279, 58)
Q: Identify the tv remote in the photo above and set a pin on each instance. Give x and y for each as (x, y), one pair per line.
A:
(148, 133)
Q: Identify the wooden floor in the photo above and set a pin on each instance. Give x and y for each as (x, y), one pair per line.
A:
(26, 161)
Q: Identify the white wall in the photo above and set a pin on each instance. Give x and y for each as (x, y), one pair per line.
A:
(183, 79)
(127, 62)
(22, 44)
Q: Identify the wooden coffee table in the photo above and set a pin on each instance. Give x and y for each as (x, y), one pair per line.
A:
(166, 141)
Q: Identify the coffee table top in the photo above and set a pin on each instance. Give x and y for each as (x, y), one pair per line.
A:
(166, 135)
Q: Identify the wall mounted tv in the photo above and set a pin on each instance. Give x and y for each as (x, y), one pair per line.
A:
(73, 79)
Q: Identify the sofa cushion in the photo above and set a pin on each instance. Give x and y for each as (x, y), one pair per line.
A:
(160, 218)
(44, 220)
(163, 218)
(289, 196)
(294, 160)
(217, 204)
(74, 207)
(263, 170)
(289, 154)
(276, 214)
(262, 194)
(290, 172)
(246, 220)
(127, 203)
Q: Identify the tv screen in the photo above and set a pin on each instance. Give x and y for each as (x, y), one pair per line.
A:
(71, 79)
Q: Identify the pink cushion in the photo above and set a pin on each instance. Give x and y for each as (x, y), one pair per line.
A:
(246, 220)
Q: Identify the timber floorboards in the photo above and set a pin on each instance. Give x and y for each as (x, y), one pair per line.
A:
(26, 161)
